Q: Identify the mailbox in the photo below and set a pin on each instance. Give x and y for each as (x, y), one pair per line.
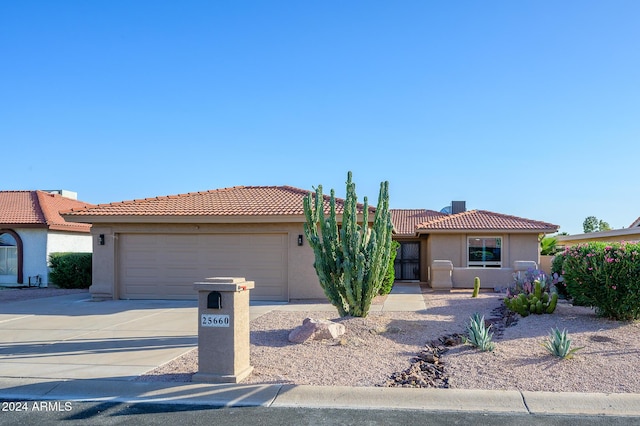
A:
(223, 329)
(214, 300)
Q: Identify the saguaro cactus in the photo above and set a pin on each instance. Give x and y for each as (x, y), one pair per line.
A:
(351, 262)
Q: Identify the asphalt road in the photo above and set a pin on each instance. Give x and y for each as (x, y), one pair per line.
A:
(90, 413)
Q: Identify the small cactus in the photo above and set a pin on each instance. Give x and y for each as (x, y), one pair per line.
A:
(538, 302)
(476, 287)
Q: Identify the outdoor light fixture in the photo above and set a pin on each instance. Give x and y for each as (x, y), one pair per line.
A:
(101, 239)
(299, 240)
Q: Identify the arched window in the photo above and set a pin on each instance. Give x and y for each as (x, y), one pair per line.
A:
(10, 257)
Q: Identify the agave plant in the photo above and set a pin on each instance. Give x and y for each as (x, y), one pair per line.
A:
(559, 344)
(479, 335)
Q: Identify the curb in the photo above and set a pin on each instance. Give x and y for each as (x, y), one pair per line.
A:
(337, 397)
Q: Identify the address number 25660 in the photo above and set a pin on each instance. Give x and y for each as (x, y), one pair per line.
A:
(211, 320)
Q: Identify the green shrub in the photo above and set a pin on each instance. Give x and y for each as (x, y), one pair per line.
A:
(556, 275)
(70, 270)
(389, 279)
(605, 276)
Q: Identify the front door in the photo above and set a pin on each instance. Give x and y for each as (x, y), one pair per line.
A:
(407, 263)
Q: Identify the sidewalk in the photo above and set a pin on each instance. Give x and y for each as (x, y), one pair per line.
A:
(404, 297)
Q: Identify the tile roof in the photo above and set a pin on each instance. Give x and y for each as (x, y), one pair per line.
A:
(406, 220)
(235, 201)
(635, 223)
(482, 220)
(39, 209)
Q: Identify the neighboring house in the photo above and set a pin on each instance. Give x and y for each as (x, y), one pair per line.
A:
(630, 234)
(31, 228)
(475, 243)
(158, 247)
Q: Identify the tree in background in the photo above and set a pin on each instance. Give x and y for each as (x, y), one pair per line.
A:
(351, 261)
(548, 246)
(592, 224)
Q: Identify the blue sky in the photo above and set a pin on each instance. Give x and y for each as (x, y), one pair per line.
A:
(529, 108)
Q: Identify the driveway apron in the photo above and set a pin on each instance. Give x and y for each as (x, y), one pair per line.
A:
(73, 337)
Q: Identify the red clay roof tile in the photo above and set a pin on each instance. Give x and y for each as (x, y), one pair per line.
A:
(38, 208)
(235, 201)
(485, 220)
(406, 220)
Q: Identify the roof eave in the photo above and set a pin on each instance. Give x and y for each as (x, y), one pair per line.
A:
(486, 230)
(95, 219)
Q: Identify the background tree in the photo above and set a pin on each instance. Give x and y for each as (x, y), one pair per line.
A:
(351, 261)
(592, 224)
(603, 226)
(548, 246)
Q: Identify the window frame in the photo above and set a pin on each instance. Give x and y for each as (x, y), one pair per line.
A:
(484, 263)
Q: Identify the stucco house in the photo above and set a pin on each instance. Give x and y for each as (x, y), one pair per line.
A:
(31, 228)
(157, 247)
(465, 244)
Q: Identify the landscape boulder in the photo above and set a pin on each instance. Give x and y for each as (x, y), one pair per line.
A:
(316, 329)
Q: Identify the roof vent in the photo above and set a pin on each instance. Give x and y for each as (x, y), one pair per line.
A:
(458, 207)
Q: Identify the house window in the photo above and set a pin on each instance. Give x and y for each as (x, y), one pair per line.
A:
(8, 255)
(484, 252)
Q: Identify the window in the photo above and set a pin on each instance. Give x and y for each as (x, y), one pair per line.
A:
(484, 252)
(8, 255)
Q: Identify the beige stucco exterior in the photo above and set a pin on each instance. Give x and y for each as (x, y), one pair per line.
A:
(302, 282)
(453, 247)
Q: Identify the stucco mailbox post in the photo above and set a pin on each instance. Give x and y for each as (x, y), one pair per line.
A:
(223, 329)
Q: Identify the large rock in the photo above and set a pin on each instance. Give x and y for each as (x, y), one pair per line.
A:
(316, 329)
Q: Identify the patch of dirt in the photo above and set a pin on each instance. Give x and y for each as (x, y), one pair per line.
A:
(377, 350)
(12, 294)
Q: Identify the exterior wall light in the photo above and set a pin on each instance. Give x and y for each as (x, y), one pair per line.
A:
(299, 240)
(101, 239)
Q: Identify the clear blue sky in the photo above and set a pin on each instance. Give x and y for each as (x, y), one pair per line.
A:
(529, 108)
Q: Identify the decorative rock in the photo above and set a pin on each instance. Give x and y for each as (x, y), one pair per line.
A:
(316, 329)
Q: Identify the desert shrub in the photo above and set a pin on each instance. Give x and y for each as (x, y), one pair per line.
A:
(478, 334)
(70, 270)
(531, 293)
(605, 276)
(387, 284)
(559, 344)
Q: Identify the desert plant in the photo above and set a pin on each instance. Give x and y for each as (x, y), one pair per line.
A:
(559, 344)
(351, 261)
(479, 334)
(476, 287)
(390, 277)
(531, 294)
(548, 246)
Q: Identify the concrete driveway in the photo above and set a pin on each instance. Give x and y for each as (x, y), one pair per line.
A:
(72, 337)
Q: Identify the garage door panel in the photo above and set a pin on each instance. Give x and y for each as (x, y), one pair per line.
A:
(167, 265)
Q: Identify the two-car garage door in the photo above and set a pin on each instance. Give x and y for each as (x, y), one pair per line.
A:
(165, 266)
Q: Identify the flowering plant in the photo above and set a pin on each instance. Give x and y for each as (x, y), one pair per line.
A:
(605, 276)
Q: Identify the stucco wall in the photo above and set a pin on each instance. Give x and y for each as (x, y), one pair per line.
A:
(302, 279)
(34, 250)
(453, 247)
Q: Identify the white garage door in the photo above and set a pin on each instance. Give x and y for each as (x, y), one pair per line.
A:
(165, 266)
